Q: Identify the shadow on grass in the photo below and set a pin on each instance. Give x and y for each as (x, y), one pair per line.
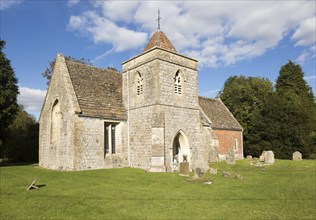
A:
(16, 164)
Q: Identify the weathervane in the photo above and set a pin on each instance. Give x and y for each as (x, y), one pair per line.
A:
(159, 18)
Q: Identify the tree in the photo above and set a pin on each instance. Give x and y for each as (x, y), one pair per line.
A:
(244, 97)
(291, 83)
(8, 93)
(21, 144)
(282, 126)
(299, 95)
(49, 70)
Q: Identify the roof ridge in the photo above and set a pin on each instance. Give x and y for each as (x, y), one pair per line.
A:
(91, 66)
(205, 97)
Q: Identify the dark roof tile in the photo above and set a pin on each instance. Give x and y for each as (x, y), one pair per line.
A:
(219, 114)
(99, 91)
(160, 40)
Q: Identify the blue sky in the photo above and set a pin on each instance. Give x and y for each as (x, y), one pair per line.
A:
(251, 38)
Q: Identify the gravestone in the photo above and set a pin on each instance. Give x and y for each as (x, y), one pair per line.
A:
(269, 157)
(184, 168)
(249, 157)
(239, 177)
(213, 156)
(213, 171)
(297, 156)
(230, 158)
(226, 174)
(262, 156)
(199, 172)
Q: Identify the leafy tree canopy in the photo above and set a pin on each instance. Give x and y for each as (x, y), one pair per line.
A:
(21, 144)
(8, 92)
(291, 82)
(281, 119)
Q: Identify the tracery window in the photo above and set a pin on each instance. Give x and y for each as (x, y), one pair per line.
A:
(139, 81)
(178, 83)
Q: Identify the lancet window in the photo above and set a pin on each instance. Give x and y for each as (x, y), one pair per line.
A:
(55, 122)
(178, 83)
(139, 82)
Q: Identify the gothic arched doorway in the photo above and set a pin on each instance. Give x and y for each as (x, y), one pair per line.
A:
(180, 150)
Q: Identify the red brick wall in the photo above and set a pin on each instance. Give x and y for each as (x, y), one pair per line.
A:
(226, 140)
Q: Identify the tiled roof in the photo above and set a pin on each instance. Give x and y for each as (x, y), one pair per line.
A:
(99, 91)
(160, 40)
(219, 114)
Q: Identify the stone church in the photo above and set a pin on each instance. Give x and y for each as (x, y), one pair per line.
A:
(149, 116)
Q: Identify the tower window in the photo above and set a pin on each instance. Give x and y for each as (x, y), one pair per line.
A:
(139, 86)
(178, 83)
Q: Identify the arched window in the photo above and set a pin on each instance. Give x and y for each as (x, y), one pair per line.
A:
(235, 145)
(55, 122)
(139, 81)
(178, 83)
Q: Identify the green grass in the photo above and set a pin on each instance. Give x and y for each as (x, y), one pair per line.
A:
(285, 190)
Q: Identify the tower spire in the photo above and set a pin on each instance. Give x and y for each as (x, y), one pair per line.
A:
(159, 18)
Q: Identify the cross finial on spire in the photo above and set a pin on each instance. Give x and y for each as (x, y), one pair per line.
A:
(159, 18)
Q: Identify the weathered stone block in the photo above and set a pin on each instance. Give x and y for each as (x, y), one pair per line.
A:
(184, 168)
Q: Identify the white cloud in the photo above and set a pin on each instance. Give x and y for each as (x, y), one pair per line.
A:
(307, 54)
(73, 2)
(216, 33)
(103, 30)
(305, 34)
(5, 4)
(102, 55)
(31, 99)
(312, 77)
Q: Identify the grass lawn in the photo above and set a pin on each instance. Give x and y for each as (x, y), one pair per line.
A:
(284, 190)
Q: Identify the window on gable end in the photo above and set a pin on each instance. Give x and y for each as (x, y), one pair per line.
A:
(55, 122)
(236, 145)
(178, 83)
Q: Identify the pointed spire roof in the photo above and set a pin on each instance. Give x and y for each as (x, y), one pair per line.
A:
(160, 40)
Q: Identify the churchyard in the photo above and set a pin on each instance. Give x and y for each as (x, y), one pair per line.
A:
(283, 190)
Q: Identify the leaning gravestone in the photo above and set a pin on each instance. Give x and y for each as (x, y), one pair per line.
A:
(230, 158)
(297, 156)
(269, 157)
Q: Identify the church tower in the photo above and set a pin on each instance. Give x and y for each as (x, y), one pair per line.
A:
(160, 94)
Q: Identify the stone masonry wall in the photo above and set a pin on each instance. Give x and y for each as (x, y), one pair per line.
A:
(158, 68)
(60, 154)
(89, 145)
